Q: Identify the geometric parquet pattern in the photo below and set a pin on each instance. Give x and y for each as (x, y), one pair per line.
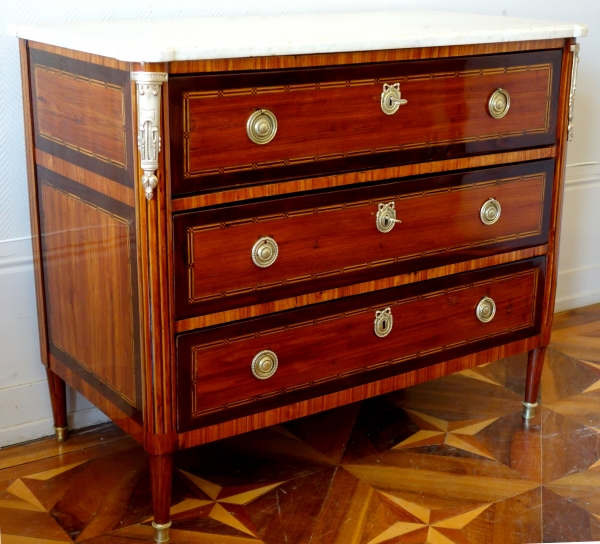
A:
(450, 461)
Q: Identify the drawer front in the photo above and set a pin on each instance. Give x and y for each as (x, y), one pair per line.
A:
(334, 346)
(332, 239)
(331, 119)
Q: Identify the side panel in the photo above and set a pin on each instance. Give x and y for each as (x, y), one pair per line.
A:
(84, 171)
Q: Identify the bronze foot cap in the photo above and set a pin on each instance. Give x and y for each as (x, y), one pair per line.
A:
(61, 433)
(529, 409)
(161, 531)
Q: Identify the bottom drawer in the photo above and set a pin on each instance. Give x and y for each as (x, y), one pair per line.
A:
(246, 367)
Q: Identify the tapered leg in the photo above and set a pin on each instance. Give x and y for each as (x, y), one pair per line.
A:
(58, 398)
(161, 474)
(535, 364)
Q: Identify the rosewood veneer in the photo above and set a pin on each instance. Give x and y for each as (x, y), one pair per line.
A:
(223, 244)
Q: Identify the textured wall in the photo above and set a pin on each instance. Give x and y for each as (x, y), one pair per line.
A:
(24, 404)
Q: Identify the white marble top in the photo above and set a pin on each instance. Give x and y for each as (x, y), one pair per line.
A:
(164, 40)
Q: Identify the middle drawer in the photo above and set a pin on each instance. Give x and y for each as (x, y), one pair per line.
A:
(240, 255)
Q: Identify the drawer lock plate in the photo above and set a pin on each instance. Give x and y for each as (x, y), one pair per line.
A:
(386, 217)
(384, 322)
(391, 98)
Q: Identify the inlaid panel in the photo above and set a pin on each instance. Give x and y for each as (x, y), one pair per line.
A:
(83, 122)
(319, 348)
(91, 286)
(82, 114)
(332, 239)
(331, 119)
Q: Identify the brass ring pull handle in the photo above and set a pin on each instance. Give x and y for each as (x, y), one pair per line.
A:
(386, 217)
(264, 364)
(490, 211)
(264, 252)
(261, 126)
(391, 98)
(499, 104)
(384, 322)
(486, 310)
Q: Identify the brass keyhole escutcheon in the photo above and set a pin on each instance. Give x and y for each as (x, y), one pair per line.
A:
(499, 104)
(486, 310)
(264, 252)
(391, 98)
(384, 322)
(385, 220)
(261, 126)
(264, 364)
(490, 211)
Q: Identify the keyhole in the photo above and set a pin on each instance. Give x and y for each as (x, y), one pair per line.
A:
(391, 101)
(383, 325)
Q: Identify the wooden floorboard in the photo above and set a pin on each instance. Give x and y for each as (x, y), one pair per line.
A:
(450, 461)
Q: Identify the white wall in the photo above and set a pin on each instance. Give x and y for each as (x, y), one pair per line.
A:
(24, 404)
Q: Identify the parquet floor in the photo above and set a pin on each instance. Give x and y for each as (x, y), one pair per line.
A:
(446, 462)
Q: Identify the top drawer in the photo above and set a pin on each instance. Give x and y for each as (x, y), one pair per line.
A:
(331, 119)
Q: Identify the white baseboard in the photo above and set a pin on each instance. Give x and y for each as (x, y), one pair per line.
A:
(579, 259)
(15, 256)
(27, 413)
(577, 288)
(41, 428)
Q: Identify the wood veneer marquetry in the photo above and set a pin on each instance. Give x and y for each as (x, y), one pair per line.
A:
(364, 176)
(34, 218)
(80, 55)
(81, 114)
(357, 57)
(328, 240)
(205, 152)
(150, 67)
(536, 357)
(185, 325)
(77, 380)
(559, 179)
(450, 457)
(144, 260)
(154, 218)
(446, 116)
(75, 186)
(89, 252)
(332, 400)
(431, 319)
(104, 141)
(85, 177)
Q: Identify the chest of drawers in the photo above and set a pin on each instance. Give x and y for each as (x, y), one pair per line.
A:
(229, 239)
